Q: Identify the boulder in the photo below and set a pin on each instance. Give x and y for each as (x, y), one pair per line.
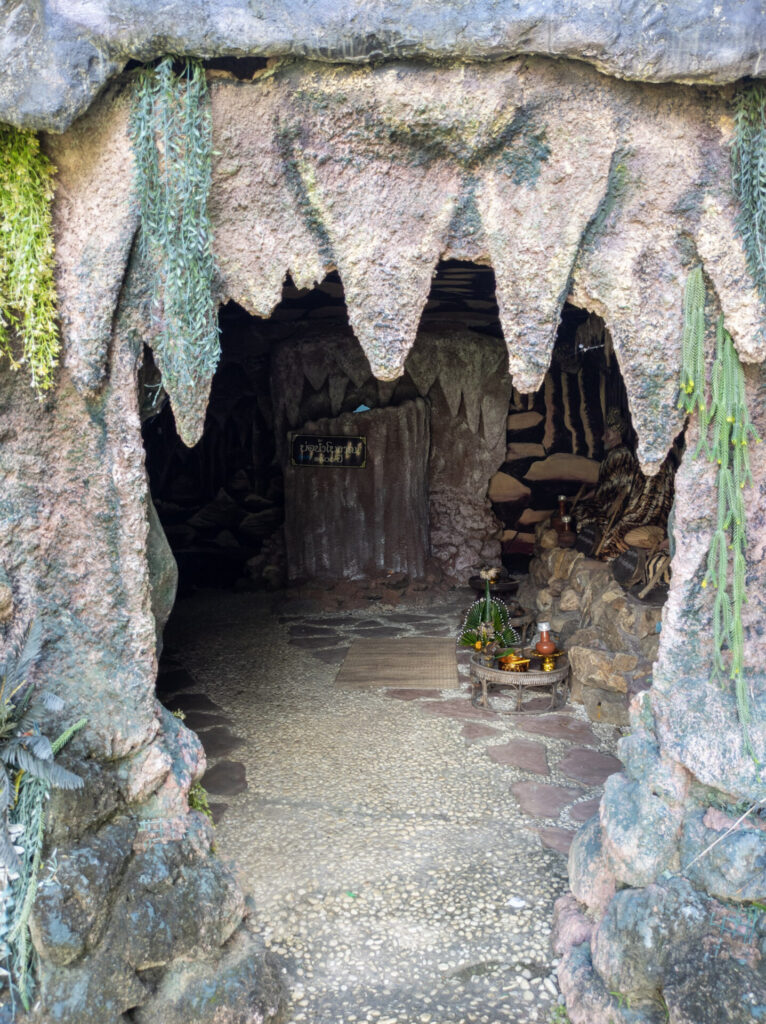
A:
(725, 858)
(240, 986)
(72, 906)
(591, 877)
(641, 831)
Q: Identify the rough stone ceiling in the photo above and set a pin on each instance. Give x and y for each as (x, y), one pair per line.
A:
(567, 182)
(56, 56)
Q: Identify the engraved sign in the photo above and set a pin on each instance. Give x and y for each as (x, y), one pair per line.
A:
(328, 452)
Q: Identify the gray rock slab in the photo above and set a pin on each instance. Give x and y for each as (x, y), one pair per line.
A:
(191, 702)
(174, 681)
(331, 655)
(219, 741)
(199, 720)
(305, 629)
(227, 778)
(56, 57)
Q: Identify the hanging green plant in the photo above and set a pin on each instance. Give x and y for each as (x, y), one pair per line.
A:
(27, 288)
(748, 156)
(727, 445)
(171, 132)
(28, 770)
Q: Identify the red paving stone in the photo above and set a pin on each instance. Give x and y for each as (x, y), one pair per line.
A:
(477, 730)
(559, 839)
(561, 727)
(461, 709)
(585, 810)
(542, 800)
(403, 694)
(529, 755)
(589, 766)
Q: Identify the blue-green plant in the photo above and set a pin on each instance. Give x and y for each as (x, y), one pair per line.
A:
(27, 287)
(28, 770)
(725, 435)
(748, 157)
(171, 132)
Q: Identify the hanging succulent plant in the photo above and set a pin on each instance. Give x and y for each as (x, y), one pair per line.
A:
(171, 133)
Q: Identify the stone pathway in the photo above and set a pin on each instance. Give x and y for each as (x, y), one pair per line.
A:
(403, 848)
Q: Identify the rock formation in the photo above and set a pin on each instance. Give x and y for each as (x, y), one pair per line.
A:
(570, 184)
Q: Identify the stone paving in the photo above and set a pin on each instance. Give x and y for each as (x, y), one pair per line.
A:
(403, 848)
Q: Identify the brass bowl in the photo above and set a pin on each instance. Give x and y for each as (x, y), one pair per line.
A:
(512, 663)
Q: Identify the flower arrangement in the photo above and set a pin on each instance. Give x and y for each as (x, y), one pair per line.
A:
(487, 625)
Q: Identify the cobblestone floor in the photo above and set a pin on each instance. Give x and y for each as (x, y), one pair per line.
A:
(403, 848)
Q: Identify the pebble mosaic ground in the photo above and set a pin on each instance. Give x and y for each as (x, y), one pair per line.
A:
(403, 849)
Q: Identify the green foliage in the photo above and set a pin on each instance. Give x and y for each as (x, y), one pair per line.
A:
(725, 433)
(171, 132)
(27, 772)
(559, 1015)
(692, 397)
(749, 177)
(198, 800)
(27, 288)
(488, 619)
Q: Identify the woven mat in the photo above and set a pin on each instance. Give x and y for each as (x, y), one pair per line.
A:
(419, 663)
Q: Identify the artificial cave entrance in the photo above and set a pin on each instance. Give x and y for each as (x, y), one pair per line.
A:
(459, 471)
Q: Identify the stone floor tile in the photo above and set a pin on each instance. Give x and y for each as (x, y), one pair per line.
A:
(559, 839)
(561, 727)
(308, 643)
(477, 730)
(543, 800)
(403, 694)
(204, 720)
(304, 629)
(459, 708)
(589, 766)
(331, 655)
(175, 680)
(226, 778)
(529, 755)
(585, 810)
(381, 631)
(191, 702)
(218, 810)
(333, 621)
(219, 741)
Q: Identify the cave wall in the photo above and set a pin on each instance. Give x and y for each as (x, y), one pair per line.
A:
(569, 184)
(57, 56)
(323, 371)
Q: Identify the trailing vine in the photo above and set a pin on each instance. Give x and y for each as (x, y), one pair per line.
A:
(27, 288)
(171, 132)
(28, 770)
(727, 444)
(748, 156)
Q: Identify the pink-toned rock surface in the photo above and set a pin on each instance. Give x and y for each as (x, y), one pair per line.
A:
(543, 800)
(555, 838)
(591, 767)
(528, 755)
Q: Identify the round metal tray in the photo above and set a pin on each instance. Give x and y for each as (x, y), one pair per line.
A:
(485, 678)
